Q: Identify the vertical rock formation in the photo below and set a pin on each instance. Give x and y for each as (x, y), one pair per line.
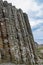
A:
(16, 39)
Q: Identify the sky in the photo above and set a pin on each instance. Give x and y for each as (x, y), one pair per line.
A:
(34, 9)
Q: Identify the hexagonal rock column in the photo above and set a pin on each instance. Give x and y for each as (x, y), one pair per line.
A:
(16, 39)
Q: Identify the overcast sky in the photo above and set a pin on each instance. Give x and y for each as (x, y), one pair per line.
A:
(34, 9)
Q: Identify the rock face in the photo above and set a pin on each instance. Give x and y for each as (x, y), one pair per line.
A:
(40, 53)
(16, 39)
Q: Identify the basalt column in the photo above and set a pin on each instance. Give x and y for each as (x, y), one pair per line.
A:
(16, 39)
(31, 37)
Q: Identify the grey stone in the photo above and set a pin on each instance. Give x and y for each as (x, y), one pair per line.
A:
(16, 34)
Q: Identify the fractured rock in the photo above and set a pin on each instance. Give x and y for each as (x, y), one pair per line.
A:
(16, 37)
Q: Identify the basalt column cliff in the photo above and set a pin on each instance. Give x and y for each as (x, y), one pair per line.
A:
(16, 39)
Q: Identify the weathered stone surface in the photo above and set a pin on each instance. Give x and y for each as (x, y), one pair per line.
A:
(16, 39)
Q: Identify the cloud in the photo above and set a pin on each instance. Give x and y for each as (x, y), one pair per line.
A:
(38, 27)
(38, 35)
(23, 4)
(35, 23)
